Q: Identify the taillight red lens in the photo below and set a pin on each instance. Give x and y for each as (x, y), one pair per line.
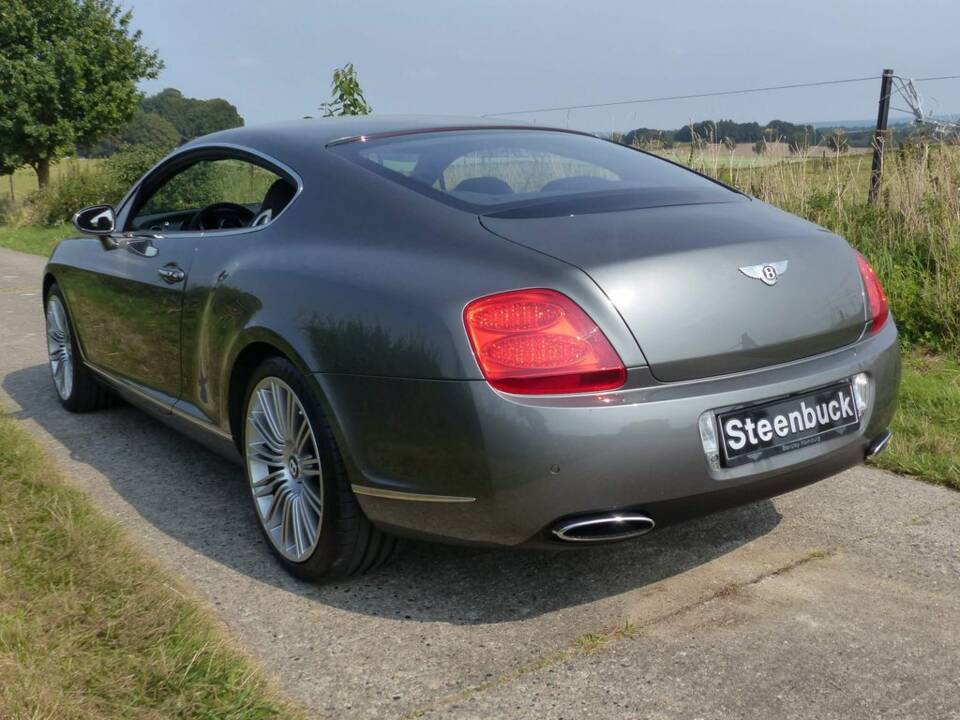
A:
(539, 342)
(876, 298)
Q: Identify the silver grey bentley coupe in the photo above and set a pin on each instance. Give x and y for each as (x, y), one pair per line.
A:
(472, 332)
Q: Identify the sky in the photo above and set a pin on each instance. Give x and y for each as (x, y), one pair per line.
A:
(273, 59)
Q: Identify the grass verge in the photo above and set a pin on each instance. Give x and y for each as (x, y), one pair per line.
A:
(34, 240)
(90, 628)
(926, 429)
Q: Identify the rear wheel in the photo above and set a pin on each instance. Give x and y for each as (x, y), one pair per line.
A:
(307, 511)
(77, 388)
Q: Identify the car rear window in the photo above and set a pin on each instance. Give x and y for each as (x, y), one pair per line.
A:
(493, 171)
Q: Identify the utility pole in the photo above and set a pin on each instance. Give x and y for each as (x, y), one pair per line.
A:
(880, 134)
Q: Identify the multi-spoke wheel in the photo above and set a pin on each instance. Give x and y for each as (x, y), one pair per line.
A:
(76, 387)
(284, 468)
(299, 486)
(60, 347)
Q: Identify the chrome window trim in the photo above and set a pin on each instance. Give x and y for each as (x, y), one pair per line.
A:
(452, 128)
(200, 147)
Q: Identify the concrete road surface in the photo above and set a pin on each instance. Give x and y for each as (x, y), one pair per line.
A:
(841, 600)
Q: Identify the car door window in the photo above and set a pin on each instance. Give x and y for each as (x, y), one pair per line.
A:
(175, 204)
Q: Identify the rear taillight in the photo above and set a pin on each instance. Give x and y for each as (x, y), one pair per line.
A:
(876, 298)
(539, 342)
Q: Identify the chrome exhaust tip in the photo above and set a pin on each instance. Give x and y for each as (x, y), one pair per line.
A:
(608, 527)
(877, 445)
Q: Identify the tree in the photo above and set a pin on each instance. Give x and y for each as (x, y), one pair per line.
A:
(168, 119)
(150, 129)
(347, 96)
(740, 132)
(838, 141)
(144, 129)
(190, 116)
(760, 146)
(647, 137)
(68, 76)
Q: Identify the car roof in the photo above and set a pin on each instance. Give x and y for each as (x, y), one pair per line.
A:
(288, 141)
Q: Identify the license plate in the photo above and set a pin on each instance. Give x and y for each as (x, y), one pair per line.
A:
(779, 426)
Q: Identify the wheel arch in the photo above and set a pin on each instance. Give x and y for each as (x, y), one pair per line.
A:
(247, 360)
(48, 280)
(256, 346)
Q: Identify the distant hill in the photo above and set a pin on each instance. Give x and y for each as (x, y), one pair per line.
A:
(845, 124)
(902, 121)
(855, 133)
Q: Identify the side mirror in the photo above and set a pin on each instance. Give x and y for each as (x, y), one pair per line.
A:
(96, 220)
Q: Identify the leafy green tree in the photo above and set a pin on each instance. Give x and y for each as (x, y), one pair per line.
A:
(68, 76)
(190, 116)
(347, 96)
(648, 137)
(149, 129)
(740, 132)
(168, 119)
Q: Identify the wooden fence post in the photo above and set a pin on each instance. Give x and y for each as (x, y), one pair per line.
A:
(880, 134)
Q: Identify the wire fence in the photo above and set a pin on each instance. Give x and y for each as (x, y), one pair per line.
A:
(905, 88)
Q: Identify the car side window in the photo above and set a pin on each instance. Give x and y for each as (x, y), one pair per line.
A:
(210, 195)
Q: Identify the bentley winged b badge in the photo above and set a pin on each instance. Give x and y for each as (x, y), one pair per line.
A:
(769, 273)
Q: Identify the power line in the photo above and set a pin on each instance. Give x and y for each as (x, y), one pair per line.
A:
(699, 95)
(720, 93)
(941, 77)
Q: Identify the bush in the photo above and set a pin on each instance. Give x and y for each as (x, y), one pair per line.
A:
(105, 183)
(62, 199)
(5, 210)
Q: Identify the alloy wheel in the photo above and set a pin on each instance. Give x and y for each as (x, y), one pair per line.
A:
(59, 347)
(284, 469)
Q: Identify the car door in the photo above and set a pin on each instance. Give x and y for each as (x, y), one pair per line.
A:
(127, 300)
(127, 304)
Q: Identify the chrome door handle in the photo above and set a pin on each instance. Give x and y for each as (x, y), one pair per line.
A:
(171, 274)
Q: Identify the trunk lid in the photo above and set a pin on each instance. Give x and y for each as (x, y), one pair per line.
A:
(673, 273)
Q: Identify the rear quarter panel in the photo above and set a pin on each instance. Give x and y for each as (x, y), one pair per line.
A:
(359, 276)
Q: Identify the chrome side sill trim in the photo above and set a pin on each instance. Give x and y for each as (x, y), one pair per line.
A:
(400, 495)
(210, 427)
(132, 387)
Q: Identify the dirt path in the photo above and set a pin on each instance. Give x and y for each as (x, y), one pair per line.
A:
(839, 600)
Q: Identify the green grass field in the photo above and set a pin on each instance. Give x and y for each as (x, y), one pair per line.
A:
(926, 429)
(92, 629)
(25, 179)
(34, 240)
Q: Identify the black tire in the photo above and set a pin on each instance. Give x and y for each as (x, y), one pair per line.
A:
(86, 393)
(348, 544)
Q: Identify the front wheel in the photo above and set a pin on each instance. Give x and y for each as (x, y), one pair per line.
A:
(301, 495)
(77, 388)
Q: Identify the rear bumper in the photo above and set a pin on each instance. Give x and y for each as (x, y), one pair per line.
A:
(498, 469)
